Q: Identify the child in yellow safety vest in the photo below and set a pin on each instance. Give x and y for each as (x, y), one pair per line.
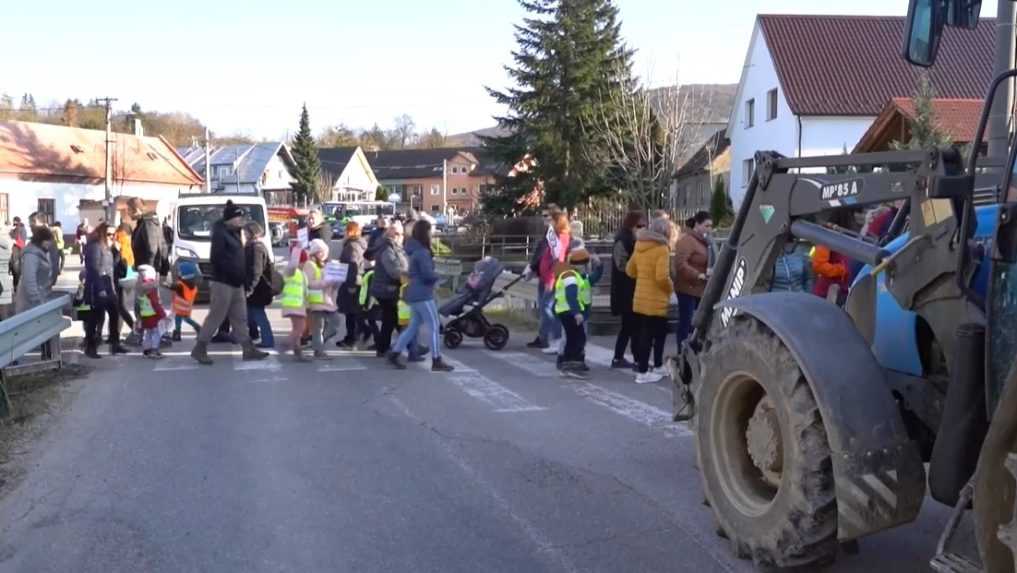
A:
(294, 300)
(185, 292)
(321, 295)
(573, 300)
(150, 311)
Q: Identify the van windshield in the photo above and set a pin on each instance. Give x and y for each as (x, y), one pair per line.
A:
(195, 222)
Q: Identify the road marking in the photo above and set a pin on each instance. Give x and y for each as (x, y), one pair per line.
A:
(176, 365)
(271, 363)
(639, 412)
(531, 364)
(599, 355)
(543, 544)
(490, 392)
(426, 365)
(355, 368)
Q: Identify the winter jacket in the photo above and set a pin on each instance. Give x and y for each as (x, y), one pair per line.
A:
(258, 265)
(542, 261)
(99, 274)
(150, 322)
(650, 267)
(227, 256)
(124, 242)
(374, 243)
(292, 267)
(351, 252)
(421, 271)
(148, 244)
(592, 277)
(390, 266)
(831, 269)
(35, 284)
(692, 258)
(328, 290)
(622, 285)
(792, 272)
(322, 231)
(6, 282)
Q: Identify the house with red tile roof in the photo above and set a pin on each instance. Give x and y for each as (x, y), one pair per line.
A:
(60, 171)
(957, 118)
(813, 85)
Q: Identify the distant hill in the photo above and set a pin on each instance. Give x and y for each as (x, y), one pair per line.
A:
(472, 138)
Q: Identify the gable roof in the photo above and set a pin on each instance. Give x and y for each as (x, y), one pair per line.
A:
(253, 159)
(958, 118)
(56, 152)
(705, 155)
(427, 163)
(851, 65)
(335, 159)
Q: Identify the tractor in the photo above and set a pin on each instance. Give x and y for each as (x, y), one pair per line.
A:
(815, 422)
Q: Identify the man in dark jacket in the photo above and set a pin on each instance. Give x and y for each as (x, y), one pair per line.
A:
(226, 287)
(149, 247)
(317, 227)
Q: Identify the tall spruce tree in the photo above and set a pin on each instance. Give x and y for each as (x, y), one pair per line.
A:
(569, 55)
(308, 166)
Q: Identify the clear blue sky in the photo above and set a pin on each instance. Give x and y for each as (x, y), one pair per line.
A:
(246, 66)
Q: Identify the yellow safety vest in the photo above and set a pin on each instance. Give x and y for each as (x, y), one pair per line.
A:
(145, 306)
(315, 295)
(365, 287)
(293, 291)
(561, 303)
(404, 309)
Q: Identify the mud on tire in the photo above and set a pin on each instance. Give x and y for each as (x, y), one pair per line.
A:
(773, 497)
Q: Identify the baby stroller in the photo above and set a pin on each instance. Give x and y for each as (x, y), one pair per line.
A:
(472, 322)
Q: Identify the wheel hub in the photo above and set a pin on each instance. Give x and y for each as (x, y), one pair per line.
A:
(1008, 533)
(763, 440)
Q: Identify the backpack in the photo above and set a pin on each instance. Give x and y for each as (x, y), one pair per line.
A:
(277, 283)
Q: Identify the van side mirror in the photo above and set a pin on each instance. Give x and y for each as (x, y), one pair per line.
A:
(924, 28)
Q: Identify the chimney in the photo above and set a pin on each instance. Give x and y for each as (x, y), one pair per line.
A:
(139, 129)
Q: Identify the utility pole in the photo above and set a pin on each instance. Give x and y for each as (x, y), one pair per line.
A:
(999, 115)
(110, 207)
(208, 166)
(444, 187)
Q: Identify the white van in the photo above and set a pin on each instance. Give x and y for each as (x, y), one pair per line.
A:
(196, 214)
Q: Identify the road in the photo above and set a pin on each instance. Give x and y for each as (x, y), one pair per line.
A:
(351, 466)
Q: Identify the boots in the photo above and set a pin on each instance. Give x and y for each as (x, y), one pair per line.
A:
(91, 348)
(439, 365)
(396, 359)
(298, 355)
(176, 335)
(252, 353)
(200, 353)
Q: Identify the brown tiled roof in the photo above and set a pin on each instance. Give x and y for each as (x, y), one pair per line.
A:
(851, 65)
(37, 151)
(958, 118)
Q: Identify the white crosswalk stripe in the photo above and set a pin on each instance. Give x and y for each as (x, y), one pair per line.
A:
(531, 364)
(488, 391)
(635, 410)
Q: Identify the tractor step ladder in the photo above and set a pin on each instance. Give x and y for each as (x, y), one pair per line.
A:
(945, 562)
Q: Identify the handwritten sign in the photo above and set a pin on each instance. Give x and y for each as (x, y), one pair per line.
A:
(335, 272)
(302, 237)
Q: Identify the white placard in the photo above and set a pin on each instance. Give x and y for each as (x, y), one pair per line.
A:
(335, 272)
(302, 237)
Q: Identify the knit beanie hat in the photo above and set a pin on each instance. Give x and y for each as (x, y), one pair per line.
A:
(231, 211)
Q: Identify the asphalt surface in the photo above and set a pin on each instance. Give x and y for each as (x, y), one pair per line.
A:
(349, 465)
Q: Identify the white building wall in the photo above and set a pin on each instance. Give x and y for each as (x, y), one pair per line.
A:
(830, 135)
(356, 179)
(277, 175)
(780, 134)
(23, 197)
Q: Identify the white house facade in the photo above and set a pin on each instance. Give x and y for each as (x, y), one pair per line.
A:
(813, 85)
(348, 172)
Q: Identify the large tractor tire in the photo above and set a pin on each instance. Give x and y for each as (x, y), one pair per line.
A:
(763, 451)
(995, 500)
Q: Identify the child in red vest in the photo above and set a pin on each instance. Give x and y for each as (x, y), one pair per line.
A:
(184, 294)
(150, 310)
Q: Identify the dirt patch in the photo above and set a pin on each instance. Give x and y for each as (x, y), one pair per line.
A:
(36, 400)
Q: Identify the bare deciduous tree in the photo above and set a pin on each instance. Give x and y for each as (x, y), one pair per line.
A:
(644, 134)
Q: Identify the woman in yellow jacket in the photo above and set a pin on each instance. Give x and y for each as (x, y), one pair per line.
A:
(650, 266)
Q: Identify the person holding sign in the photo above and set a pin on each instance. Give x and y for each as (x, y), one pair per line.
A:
(322, 287)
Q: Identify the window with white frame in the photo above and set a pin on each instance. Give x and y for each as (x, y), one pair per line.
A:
(750, 113)
(771, 105)
(747, 167)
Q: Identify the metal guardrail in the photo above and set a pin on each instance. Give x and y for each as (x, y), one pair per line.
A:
(22, 333)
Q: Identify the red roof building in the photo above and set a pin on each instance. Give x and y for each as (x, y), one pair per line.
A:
(957, 118)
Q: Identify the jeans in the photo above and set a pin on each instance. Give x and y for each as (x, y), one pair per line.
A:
(550, 326)
(687, 305)
(626, 335)
(389, 311)
(319, 321)
(258, 319)
(150, 338)
(425, 312)
(575, 338)
(178, 321)
(226, 302)
(652, 335)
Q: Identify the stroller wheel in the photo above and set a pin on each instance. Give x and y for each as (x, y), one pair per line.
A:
(496, 337)
(453, 338)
